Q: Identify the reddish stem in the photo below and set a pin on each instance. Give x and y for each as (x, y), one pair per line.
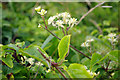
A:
(52, 63)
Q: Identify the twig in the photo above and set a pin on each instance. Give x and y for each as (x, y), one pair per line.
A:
(108, 65)
(52, 63)
(89, 12)
(44, 21)
(80, 52)
(67, 29)
(63, 31)
(106, 71)
(52, 33)
(61, 73)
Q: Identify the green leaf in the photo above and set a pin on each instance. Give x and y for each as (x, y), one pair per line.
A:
(3, 76)
(53, 75)
(8, 60)
(32, 51)
(116, 75)
(103, 58)
(95, 58)
(75, 58)
(16, 69)
(49, 38)
(63, 46)
(113, 55)
(95, 67)
(77, 71)
(85, 61)
(13, 46)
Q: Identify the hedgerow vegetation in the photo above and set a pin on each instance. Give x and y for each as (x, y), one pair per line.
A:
(59, 40)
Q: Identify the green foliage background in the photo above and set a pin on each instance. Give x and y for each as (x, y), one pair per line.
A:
(20, 21)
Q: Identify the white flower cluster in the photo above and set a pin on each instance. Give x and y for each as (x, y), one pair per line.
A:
(112, 37)
(40, 11)
(61, 20)
(86, 43)
(38, 64)
(39, 26)
(30, 60)
(92, 73)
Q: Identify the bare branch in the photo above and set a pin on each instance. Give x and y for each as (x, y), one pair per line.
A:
(89, 12)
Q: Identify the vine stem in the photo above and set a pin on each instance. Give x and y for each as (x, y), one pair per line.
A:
(52, 63)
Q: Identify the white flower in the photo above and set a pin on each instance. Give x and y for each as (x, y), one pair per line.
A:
(38, 8)
(62, 19)
(51, 19)
(58, 15)
(39, 25)
(48, 70)
(30, 60)
(43, 12)
(38, 64)
(89, 40)
(111, 35)
(53, 24)
(65, 15)
(72, 21)
(85, 44)
(59, 23)
(91, 73)
(65, 21)
(112, 39)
